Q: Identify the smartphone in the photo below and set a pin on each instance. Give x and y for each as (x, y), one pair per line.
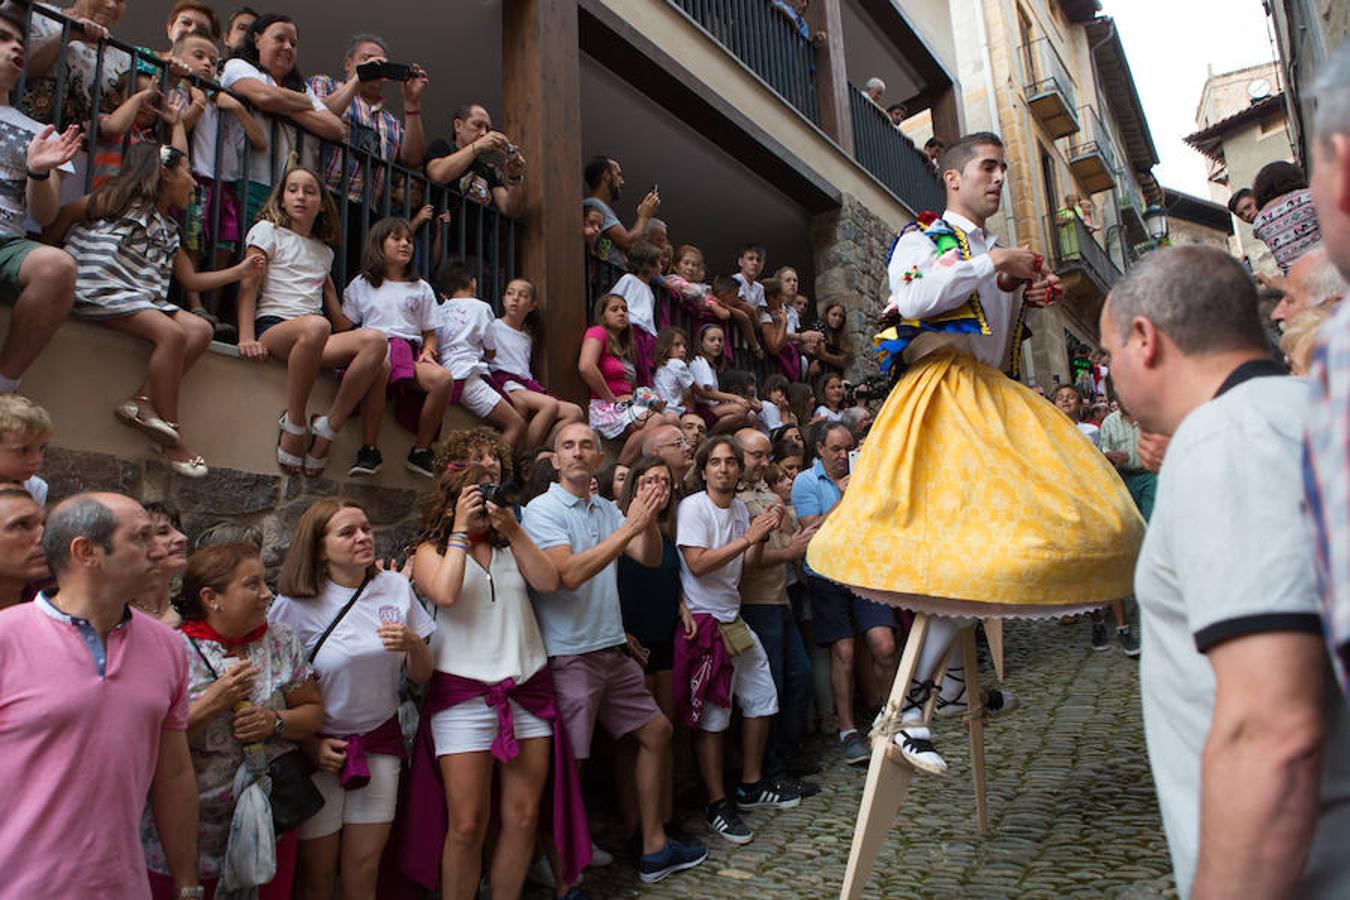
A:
(852, 459)
(370, 71)
(656, 189)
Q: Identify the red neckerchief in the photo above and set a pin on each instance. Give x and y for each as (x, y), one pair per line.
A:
(198, 628)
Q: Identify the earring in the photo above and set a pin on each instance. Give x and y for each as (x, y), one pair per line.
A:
(215, 607)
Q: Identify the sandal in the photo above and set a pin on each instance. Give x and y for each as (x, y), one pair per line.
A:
(192, 467)
(129, 412)
(288, 462)
(314, 465)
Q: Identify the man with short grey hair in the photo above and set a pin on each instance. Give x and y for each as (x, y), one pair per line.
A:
(95, 717)
(670, 444)
(1312, 280)
(1234, 682)
(374, 131)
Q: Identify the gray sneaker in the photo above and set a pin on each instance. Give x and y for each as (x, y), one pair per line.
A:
(1129, 644)
(1099, 639)
(855, 749)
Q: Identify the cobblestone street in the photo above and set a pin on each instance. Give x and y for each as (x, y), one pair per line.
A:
(1071, 803)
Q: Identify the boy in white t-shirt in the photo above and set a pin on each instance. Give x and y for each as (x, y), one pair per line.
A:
(644, 264)
(716, 538)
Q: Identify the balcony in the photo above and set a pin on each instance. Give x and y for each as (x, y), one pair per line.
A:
(892, 158)
(1091, 157)
(1048, 89)
(1084, 267)
(767, 42)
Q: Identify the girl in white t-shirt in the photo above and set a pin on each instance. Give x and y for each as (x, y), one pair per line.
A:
(672, 379)
(281, 314)
(723, 411)
(379, 633)
(389, 297)
(509, 368)
(477, 565)
(466, 343)
(831, 393)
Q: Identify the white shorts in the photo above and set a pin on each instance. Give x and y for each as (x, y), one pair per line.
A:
(478, 396)
(471, 726)
(370, 805)
(751, 688)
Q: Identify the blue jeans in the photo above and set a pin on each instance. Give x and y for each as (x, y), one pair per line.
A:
(791, 669)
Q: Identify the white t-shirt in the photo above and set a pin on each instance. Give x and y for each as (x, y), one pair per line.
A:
(771, 415)
(463, 333)
(358, 678)
(828, 414)
(704, 377)
(37, 489)
(752, 292)
(490, 633)
(670, 381)
(296, 270)
(514, 350)
(794, 320)
(402, 309)
(702, 523)
(260, 161)
(204, 144)
(1093, 433)
(641, 302)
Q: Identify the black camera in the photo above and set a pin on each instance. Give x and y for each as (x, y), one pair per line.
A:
(873, 387)
(504, 495)
(370, 71)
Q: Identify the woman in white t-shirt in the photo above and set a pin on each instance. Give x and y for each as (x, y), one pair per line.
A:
(466, 344)
(265, 74)
(510, 367)
(476, 564)
(724, 412)
(362, 628)
(281, 314)
(389, 297)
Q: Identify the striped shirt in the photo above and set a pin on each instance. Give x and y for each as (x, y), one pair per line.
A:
(124, 263)
(1288, 226)
(1326, 479)
(370, 128)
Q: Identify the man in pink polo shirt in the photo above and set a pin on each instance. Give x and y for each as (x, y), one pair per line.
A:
(93, 718)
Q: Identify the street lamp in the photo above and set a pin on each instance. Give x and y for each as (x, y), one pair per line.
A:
(1155, 220)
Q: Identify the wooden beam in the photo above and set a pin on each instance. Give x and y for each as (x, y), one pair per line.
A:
(832, 88)
(541, 92)
(946, 113)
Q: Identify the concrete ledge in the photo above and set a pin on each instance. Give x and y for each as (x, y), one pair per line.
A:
(229, 407)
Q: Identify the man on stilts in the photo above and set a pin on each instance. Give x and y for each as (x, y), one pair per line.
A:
(980, 499)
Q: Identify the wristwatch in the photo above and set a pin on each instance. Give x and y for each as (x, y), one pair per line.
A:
(280, 726)
(190, 893)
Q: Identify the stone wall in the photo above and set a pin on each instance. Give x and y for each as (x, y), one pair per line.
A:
(273, 503)
(851, 245)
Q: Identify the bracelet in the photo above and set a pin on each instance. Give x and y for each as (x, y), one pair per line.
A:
(413, 112)
(190, 893)
(34, 176)
(459, 535)
(280, 727)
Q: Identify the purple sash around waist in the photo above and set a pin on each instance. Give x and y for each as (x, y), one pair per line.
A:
(387, 739)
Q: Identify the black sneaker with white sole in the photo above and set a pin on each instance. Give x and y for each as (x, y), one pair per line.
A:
(1129, 644)
(766, 793)
(421, 462)
(368, 462)
(726, 822)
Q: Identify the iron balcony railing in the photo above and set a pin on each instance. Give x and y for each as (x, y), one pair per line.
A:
(481, 235)
(1074, 247)
(767, 41)
(1093, 137)
(1044, 71)
(887, 153)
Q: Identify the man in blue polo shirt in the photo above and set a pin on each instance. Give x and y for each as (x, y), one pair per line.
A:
(838, 614)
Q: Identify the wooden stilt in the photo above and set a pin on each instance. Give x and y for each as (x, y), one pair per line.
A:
(888, 777)
(993, 632)
(975, 723)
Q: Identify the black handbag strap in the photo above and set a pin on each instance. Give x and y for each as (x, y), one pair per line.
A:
(206, 662)
(339, 617)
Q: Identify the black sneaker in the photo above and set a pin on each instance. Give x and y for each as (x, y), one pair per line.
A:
(368, 462)
(766, 793)
(421, 462)
(1099, 639)
(673, 857)
(1129, 644)
(725, 821)
(799, 787)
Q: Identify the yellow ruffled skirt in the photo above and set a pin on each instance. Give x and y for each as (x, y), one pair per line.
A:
(975, 496)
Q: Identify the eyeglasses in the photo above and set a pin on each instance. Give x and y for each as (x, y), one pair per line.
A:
(678, 442)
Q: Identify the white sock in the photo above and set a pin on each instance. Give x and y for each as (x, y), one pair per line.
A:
(953, 683)
(844, 734)
(8, 385)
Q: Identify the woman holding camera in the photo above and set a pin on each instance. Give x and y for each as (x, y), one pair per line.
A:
(490, 703)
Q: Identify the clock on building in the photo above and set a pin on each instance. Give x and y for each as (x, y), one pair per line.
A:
(1258, 89)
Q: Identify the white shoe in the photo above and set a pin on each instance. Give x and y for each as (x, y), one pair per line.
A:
(541, 873)
(915, 743)
(599, 858)
(997, 702)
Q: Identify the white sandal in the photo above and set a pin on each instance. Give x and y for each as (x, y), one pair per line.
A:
(195, 467)
(128, 412)
(289, 462)
(314, 465)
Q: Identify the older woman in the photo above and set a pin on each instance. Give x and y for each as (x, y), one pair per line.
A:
(248, 682)
(491, 703)
(168, 534)
(93, 21)
(363, 628)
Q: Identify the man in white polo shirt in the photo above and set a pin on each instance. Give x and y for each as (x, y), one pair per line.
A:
(1240, 712)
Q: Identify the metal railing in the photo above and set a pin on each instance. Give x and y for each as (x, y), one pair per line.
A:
(1073, 246)
(887, 153)
(1044, 72)
(1093, 137)
(481, 235)
(765, 40)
